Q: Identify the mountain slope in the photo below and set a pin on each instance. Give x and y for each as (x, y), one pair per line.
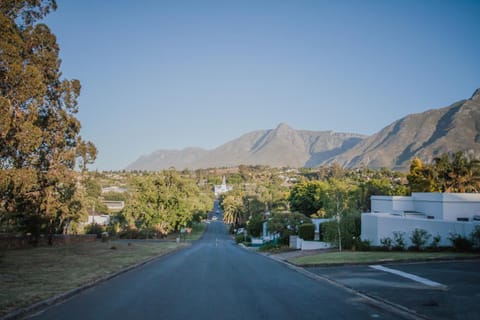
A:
(282, 146)
(425, 135)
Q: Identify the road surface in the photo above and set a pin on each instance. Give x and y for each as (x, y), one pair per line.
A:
(215, 279)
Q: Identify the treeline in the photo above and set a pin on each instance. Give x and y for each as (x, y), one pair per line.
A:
(340, 194)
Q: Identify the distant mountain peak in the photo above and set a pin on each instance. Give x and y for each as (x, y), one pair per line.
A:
(283, 129)
(425, 135)
(476, 95)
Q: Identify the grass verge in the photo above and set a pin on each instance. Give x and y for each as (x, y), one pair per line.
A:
(357, 257)
(31, 275)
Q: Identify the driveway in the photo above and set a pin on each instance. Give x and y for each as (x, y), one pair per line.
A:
(456, 297)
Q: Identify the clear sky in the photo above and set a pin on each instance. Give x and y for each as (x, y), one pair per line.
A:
(174, 74)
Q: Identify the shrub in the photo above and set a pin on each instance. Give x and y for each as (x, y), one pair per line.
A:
(270, 247)
(306, 231)
(239, 238)
(361, 245)
(95, 229)
(130, 233)
(386, 243)
(460, 243)
(349, 230)
(475, 236)
(435, 242)
(398, 240)
(419, 238)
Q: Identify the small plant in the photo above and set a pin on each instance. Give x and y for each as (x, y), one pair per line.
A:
(460, 243)
(419, 239)
(386, 243)
(435, 242)
(475, 236)
(399, 240)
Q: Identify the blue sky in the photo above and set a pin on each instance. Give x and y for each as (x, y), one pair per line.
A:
(174, 74)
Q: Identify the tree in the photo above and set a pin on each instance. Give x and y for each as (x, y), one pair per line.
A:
(286, 223)
(163, 202)
(39, 134)
(233, 208)
(340, 202)
(308, 197)
(255, 225)
(422, 177)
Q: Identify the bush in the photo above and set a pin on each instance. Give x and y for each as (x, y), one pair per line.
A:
(435, 242)
(349, 230)
(271, 247)
(95, 229)
(475, 236)
(239, 238)
(306, 231)
(419, 238)
(361, 245)
(399, 240)
(386, 243)
(130, 233)
(460, 243)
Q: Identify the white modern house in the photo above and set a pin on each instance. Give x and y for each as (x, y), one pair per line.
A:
(443, 214)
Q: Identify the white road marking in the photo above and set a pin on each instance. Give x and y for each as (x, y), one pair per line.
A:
(409, 276)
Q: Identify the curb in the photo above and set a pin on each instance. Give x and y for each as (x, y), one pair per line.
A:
(44, 304)
(381, 303)
(386, 262)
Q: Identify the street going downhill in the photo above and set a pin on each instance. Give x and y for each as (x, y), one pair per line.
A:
(214, 279)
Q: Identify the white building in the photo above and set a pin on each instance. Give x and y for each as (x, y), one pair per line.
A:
(222, 188)
(114, 205)
(101, 219)
(443, 214)
(114, 189)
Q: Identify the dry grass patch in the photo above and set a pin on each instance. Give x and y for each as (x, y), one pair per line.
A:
(31, 275)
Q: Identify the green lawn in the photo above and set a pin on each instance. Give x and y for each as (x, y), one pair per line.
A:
(353, 257)
(31, 275)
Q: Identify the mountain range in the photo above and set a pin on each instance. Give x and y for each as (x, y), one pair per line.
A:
(425, 135)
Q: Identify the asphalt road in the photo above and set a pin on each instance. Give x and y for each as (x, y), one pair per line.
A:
(215, 279)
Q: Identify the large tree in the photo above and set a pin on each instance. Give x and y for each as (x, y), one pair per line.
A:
(39, 134)
(164, 202)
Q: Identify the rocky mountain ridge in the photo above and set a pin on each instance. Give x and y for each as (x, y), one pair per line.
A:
(425, 135)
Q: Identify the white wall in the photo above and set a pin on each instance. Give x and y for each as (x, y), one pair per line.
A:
(377, 226)
(441, 206)
(391, 204)
(101, 220)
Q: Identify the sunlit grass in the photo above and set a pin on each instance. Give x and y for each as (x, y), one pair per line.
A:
(348, 257)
